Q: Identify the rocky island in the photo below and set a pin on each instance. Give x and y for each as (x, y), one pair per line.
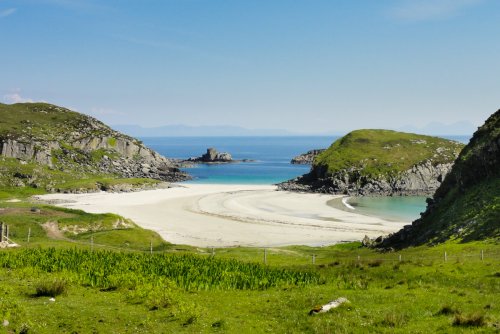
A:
(379, 162)
(56, 149)
(213, 157)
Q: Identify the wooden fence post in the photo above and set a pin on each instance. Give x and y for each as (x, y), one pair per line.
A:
(265, 255)
(445, 256)
(482, 255)
(29, 234)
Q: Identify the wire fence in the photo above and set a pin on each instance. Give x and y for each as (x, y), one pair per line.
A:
(312, 256)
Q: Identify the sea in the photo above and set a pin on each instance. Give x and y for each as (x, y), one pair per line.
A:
(270, 163)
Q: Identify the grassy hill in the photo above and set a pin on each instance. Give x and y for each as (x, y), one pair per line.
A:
(46, 122)
(380, 162)
(467, 204)
(384, 152)
(44, 147)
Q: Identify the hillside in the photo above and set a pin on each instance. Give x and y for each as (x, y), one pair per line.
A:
(50, 147)
(379, 162)
(467, 204)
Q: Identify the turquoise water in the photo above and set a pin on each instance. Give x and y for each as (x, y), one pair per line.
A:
(404, 208)
(271, 157)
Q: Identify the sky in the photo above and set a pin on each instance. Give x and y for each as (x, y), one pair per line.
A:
(306, 66)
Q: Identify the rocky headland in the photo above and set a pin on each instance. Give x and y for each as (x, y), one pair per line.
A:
(379, 163)
(51, 138)
(466, 206)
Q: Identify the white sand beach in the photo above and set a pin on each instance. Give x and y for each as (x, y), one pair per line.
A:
(234, 215)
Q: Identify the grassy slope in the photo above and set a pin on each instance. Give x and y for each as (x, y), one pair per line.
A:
(384, 151)
(45, 122)
(420, 294)
(467, 204)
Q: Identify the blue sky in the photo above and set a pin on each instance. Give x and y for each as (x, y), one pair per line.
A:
(310, 66)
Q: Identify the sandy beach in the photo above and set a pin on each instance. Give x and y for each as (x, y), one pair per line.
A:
(220, 215)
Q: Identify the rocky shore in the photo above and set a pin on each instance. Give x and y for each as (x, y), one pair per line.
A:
(420, 180)
(306, 158)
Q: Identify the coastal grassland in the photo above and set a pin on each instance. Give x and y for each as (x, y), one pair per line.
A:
(383, 152)
(49, 225)
(234, 291)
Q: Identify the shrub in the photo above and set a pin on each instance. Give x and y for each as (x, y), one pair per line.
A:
(394, 319)
(469, 320)
(375, 263)
(447, 310)
(50, 288)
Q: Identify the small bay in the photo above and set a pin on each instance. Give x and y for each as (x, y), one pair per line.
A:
(399, 208)
(271, 164)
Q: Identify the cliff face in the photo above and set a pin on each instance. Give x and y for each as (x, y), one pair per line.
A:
(379, 162)
(466, 206)
(66, 140)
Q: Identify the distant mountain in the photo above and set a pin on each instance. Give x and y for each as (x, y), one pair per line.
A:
(436, 128)
(467, 204)
(181, 130)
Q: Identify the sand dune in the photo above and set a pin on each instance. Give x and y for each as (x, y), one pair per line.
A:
(232, 215)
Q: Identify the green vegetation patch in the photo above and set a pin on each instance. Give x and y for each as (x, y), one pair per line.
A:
(376, 152)
(190, 272)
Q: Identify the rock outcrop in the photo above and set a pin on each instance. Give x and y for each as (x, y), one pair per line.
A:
(68, 141)
(379, 163)
(466, 206)
(306, 158)
(212, 156)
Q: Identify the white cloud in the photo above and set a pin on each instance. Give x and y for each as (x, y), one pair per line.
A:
(423, 10)
(7, 12)
(15, 98)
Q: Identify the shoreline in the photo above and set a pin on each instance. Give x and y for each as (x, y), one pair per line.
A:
(224, 215)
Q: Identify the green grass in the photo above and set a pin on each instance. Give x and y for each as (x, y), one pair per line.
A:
(147, 294)
(46, 121)
(383, 152)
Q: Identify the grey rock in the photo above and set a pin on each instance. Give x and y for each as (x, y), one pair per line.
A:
(306, 158)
